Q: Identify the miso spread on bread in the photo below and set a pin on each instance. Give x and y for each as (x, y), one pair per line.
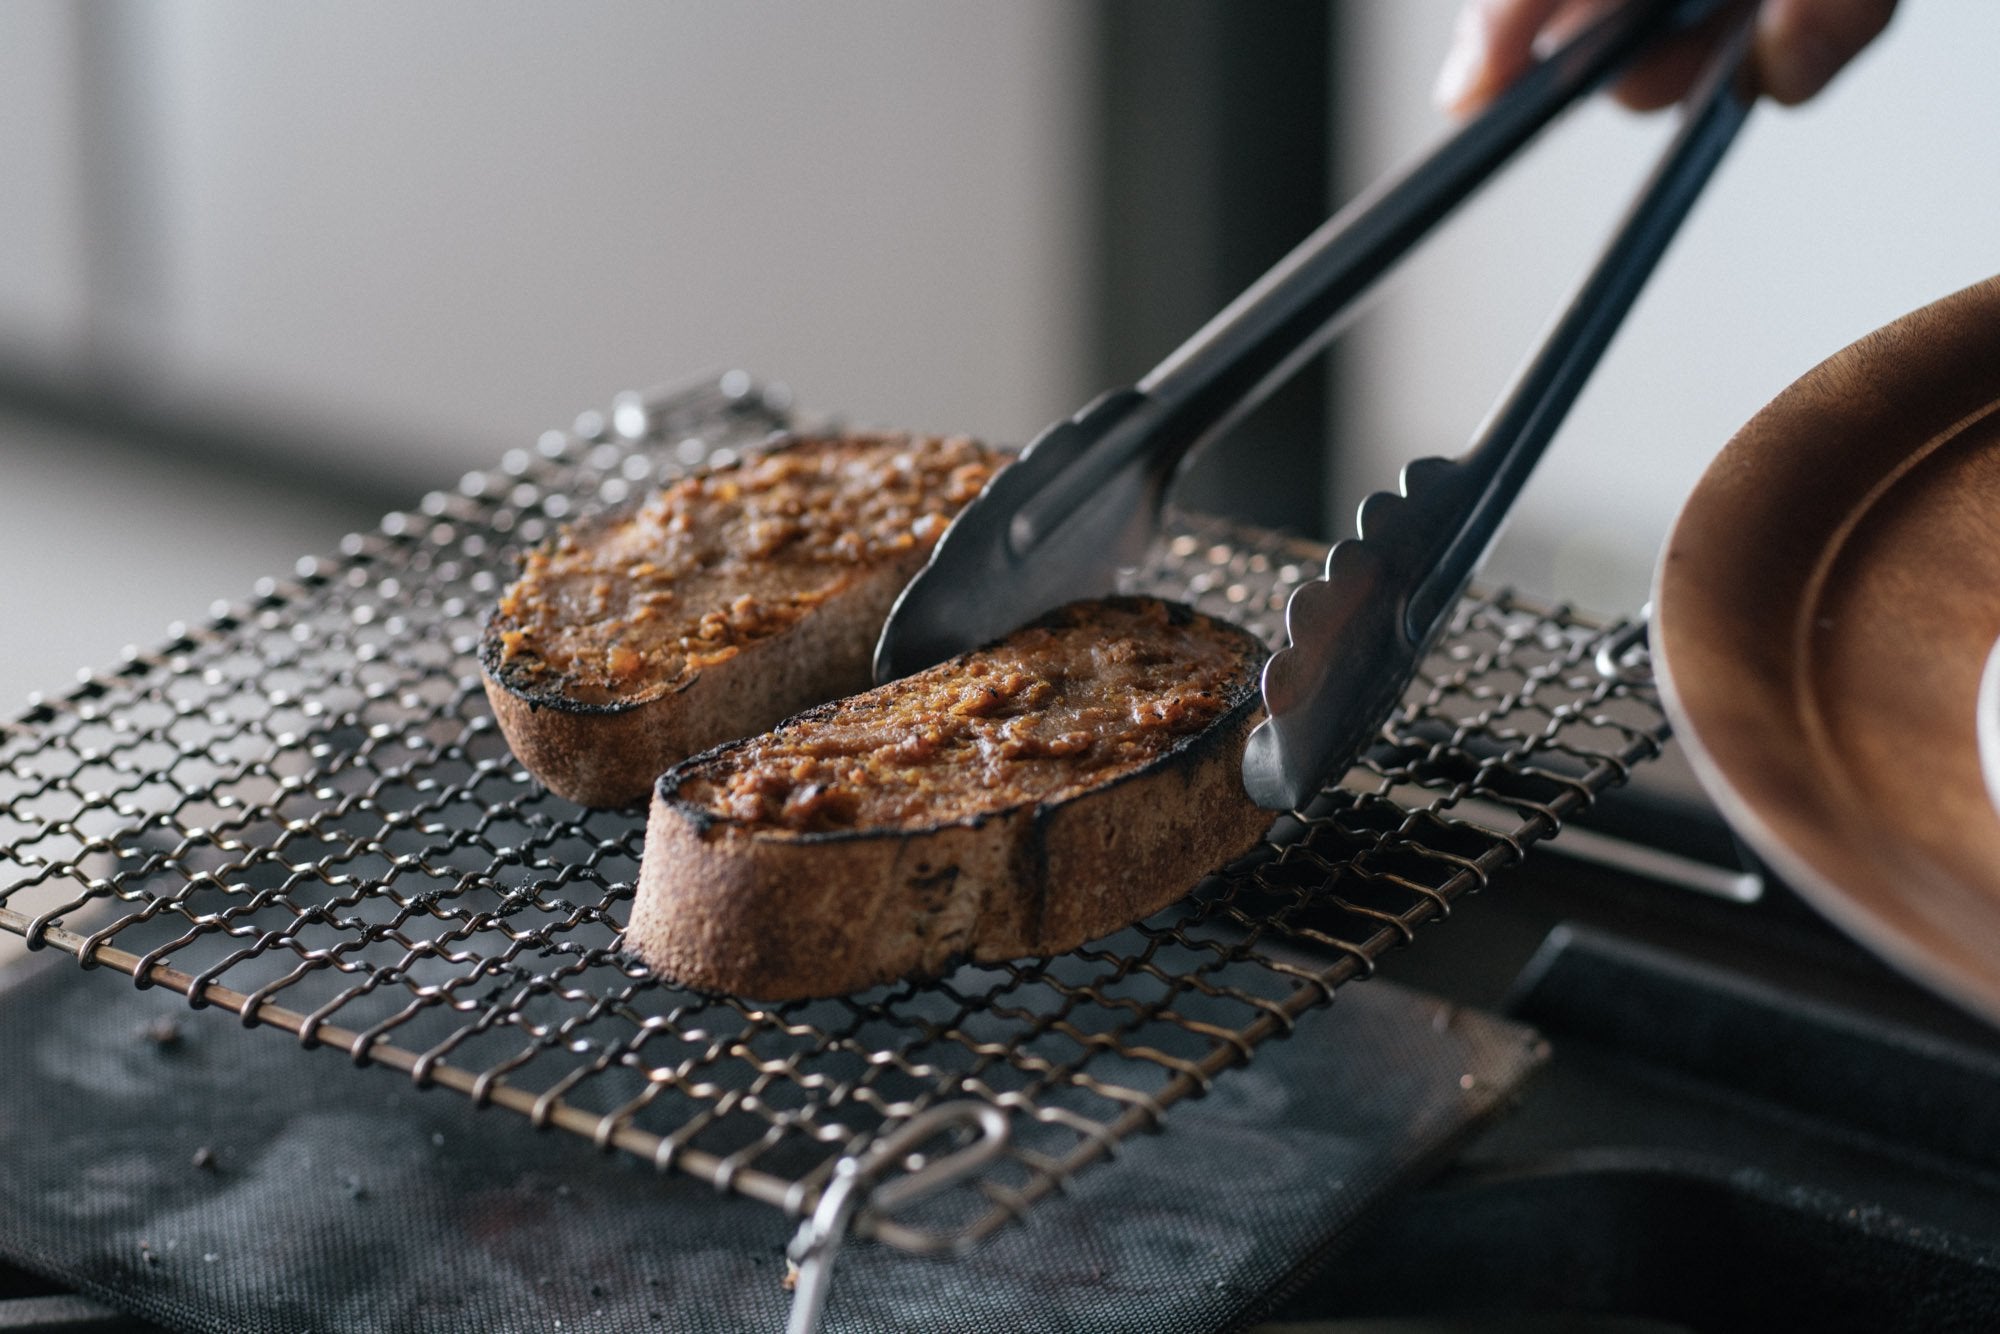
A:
(1017, 800)
(716, 607)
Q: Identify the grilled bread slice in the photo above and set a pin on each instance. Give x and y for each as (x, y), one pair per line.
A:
(717, 607)
(1018, 800)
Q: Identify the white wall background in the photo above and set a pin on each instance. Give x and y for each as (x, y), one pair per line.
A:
(446, 226)
(1824, 223)
(42, 290)
(428, 230)
(431, 229)
(523, 208)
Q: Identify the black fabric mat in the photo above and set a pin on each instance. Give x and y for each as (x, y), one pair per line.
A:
(227, 1180)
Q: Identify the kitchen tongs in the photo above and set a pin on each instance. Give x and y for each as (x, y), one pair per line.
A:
(1084, 500)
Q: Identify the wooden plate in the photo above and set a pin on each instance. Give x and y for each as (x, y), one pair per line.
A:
(1823, 611)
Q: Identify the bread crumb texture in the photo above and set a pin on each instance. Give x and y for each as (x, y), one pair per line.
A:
(617, 609)
(1090, 693)
(1018, 800)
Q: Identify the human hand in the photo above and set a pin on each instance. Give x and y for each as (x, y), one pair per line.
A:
(1798, 47)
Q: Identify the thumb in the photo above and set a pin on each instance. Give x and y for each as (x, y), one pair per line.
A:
(1492, 43)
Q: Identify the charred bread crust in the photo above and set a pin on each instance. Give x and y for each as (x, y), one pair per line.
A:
(608, 751)
(609, 754)
(784, 914)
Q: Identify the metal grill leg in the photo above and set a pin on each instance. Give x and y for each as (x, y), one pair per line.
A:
(858, 1187)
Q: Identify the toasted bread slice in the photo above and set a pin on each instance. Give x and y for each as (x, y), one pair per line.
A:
(717, 607)
(1018, 800)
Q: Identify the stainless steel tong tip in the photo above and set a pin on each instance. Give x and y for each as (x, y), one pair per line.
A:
(1034, 539)
(1084, 501)
(1357, 636)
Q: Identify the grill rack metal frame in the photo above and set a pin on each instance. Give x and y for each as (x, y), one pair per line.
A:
(302, 813)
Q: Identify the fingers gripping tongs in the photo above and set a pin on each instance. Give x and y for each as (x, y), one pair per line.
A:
(1084, 500)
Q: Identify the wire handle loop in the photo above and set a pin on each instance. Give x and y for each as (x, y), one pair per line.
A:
(858, 1183)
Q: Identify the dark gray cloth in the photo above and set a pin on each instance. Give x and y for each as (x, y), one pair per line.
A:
(225, 1180)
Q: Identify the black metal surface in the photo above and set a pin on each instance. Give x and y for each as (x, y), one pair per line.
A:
(1746, 1125)
(1711, 1250)
(221, 1181)
(1906, 1091)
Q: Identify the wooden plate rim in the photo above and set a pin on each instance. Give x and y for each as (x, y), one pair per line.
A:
(1737, 581)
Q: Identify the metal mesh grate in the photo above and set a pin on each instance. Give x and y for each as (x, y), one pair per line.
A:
(303, 813)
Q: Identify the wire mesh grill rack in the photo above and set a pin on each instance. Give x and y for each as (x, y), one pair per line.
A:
(301, 812)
